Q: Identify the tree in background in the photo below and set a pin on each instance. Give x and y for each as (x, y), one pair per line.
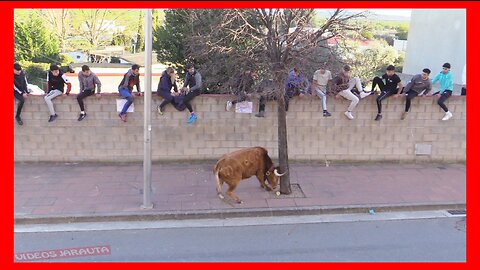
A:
(169, 39)
(93, 25)
(34, 42)
(140, 46)
(59, 21)
(369, 61)
(274, 40)
(95, 28)
(402, 32)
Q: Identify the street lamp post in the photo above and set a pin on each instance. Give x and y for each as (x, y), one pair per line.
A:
(147, 153)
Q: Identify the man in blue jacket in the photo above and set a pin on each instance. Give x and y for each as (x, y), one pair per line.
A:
(165, 87)
(445, 78)
(295, 85)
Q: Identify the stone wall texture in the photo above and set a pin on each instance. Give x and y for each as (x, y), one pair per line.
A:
(102, 136)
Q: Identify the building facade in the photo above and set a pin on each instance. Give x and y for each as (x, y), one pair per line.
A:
(436, 36)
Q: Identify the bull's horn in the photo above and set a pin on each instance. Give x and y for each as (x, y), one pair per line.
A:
(277, 174)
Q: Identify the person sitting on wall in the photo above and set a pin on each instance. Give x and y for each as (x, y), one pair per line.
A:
(242, 87)
(445, 78)
(167, 89)
(87, 80)
(296, 84)
(125, 88)
(321, 79)
(20, 89)
(419, 84)
(391, 87)
(192, 87)
(56, 81)
(342, 86)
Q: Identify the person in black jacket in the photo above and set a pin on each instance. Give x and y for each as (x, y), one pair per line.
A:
(56, 81)
(391, 87)
(165, 85)
(242, 87)
(20, 90)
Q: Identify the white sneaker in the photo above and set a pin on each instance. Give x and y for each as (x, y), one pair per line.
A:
(229, 106)
(364, 94)
(447, 116)
(349, 115)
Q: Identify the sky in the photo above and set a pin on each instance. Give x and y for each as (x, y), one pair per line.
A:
(392, 11)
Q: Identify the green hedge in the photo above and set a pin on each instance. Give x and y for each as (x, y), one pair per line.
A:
(37, 72)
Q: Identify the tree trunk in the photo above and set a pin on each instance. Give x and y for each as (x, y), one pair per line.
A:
(139, 45)
(63, 30)
(283, 144)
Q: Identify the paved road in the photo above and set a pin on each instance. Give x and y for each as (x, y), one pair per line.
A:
(380, 237)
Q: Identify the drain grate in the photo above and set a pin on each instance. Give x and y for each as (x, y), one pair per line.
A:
(457, 212)
(297, 192)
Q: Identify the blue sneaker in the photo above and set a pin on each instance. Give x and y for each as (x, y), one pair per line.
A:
(192, 118)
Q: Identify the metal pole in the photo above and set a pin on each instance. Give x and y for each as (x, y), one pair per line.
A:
(147, 153)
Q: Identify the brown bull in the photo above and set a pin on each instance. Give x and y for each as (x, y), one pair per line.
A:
(242, 164)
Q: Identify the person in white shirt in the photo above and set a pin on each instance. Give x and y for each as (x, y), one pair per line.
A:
(321, 79)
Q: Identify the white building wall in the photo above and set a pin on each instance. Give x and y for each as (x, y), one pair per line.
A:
(436, 36)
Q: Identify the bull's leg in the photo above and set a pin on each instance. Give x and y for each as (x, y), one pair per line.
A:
(231, 188)
(261, 179)
(219, 186)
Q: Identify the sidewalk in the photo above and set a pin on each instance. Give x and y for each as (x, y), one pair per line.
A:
(49, 193)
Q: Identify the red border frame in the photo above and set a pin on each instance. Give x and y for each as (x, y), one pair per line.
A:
(473, 25)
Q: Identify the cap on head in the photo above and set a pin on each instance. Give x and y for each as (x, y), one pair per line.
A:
(446, 65)
(426, 70)
(17, 66)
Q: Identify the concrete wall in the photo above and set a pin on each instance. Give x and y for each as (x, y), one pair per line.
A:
(102, 136)
(436, 36)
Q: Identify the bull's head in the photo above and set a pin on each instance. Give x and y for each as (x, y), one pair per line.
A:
(272, 176)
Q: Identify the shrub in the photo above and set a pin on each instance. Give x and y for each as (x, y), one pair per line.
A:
(35, 72)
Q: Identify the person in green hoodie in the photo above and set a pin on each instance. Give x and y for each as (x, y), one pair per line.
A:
(445, 78)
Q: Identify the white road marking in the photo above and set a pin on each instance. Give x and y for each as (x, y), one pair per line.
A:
(231, 222)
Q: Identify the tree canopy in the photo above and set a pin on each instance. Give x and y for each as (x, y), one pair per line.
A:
(34, 42)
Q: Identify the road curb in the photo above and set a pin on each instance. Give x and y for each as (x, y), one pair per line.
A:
(232, 213)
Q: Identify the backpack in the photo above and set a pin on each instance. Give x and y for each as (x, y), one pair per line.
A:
(178, 102)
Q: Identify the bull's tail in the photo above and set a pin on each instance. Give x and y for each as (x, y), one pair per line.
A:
(219, 185)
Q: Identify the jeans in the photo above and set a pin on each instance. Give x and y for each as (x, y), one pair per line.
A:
(383, 96)
(167, 98)
(128, 96)
(21, 101)
(82, 95)
(355, 81)
(48, 99)
(321, 91)
(347, 94)
(189, 97)
(443, 97)
(410, 95)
